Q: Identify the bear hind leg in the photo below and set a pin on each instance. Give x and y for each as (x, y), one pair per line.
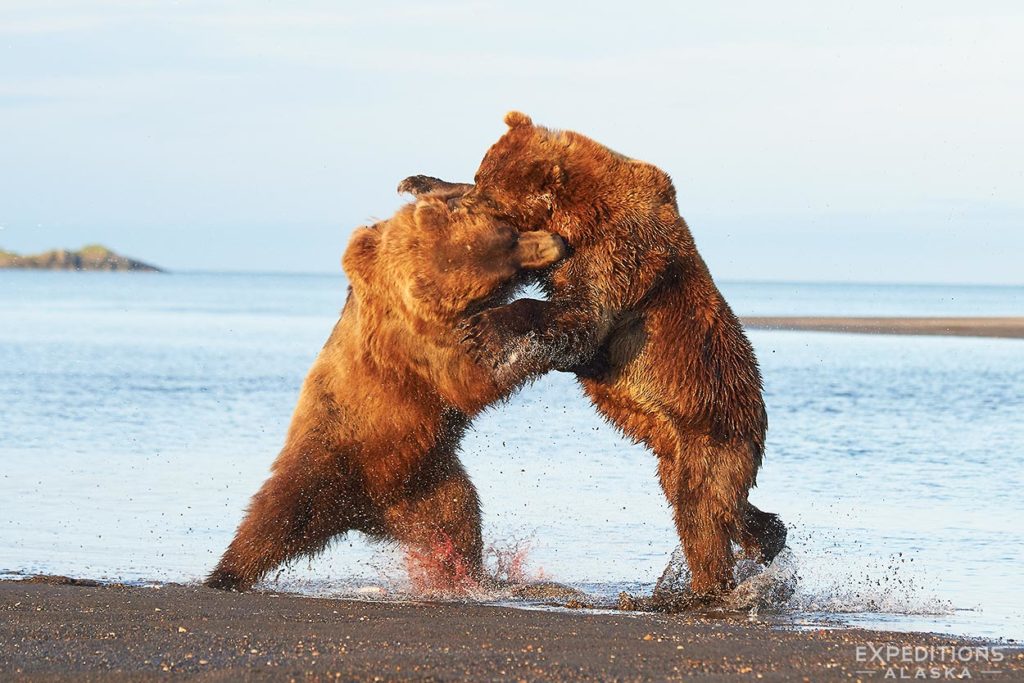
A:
(297, 511)
(440, 526)
(707, 485)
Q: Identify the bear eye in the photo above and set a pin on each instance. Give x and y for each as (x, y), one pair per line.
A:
(512, 236)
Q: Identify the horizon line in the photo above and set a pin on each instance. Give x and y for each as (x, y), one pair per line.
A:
(341, 275)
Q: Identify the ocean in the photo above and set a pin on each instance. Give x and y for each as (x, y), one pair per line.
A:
(140, 412)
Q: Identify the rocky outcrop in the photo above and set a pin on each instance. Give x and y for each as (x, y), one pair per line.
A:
(93, 257)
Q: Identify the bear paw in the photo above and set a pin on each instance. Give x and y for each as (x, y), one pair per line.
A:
(490, 341)
(420, 184)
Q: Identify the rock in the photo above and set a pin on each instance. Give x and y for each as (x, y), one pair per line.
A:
(92, 257)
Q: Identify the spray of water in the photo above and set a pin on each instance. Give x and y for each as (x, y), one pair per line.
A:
(799, 583)
(804, 582)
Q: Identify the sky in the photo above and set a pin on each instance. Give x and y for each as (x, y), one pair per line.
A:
(838, 141)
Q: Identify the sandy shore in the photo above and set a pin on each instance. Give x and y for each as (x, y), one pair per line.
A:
(53, 631)
(1012, 328)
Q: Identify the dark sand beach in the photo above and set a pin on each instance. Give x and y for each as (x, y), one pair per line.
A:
(1010, 328)
(53, 630)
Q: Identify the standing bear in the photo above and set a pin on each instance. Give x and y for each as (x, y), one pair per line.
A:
(373, 443)
(635, 314)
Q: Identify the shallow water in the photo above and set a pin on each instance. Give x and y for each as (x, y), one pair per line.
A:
(141, 411)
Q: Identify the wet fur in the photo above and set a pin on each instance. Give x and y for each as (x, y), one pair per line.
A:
(372, 443)
(635, 314)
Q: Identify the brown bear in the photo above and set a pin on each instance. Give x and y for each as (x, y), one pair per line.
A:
(634, 312)
(372, 445)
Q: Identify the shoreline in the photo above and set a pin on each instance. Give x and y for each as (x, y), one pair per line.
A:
(1001, 327)
(61, 629)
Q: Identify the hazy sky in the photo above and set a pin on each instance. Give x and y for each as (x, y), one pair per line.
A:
(868, 141)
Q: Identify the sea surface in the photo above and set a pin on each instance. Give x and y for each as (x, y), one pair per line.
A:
(138, 413)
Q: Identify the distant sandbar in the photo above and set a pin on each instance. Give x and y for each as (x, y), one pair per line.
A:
(1008, 328)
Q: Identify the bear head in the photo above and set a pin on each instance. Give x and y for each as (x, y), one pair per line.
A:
(435, 261)
(563, 181)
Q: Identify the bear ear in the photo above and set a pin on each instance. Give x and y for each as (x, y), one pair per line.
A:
(515, 119)
(361, 254)
(431, 214)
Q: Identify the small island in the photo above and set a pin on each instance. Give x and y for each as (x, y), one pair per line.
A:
(92, 257)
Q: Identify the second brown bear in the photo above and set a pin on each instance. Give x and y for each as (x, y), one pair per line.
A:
(635, 313)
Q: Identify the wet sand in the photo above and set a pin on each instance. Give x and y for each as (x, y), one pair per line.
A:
(54, 631)
(1009, 328)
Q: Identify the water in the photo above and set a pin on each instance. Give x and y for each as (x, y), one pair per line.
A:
(139, 413)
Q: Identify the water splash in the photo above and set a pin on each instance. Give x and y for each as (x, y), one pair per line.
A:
(758, 588)
(764, 589)
(875, 585)
(798, 583)
(435, 573)
(437, 570)
(509, 561)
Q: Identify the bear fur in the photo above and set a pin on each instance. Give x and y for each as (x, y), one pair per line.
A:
(635, 313)
(372, 444)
